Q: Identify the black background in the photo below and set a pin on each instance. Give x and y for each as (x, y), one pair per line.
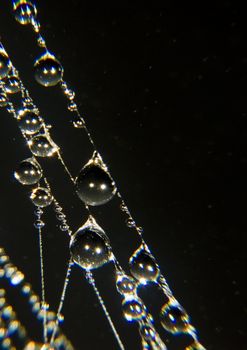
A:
(163, 91)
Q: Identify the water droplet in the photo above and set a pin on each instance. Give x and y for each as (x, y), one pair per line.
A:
(39, 224)
(72, 107)
(64, 227)
(89, 246)
(42, 146)
(12, 85)
(48, 70)
(26, 289)
(28, 172)
(147, 332)
(78, 123)
(124, 208)
(29, 122)
(17, 278)
(126, 284)
(5, 65)
(174, 318)
(3, 100)
(195, 346)
(41, 197)
(130, 222)
(38, 212)
(41, 41)
(143, 266)
(70, 94)
(94, 186)
(133, 309)
(25, 11)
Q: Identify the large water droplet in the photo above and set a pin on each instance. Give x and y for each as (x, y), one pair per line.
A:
(12, 85)
(133, 309)
(29, 122)
(90, 247)
(41, 197)
(28, 172)
(42, 146)
(174, 318)
(25, 11)
(48, 70)
(94, 186)
(5, 65)
(143, 266)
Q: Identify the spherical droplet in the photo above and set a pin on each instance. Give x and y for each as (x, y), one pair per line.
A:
(5, 65)
(41, 197)
(28, 172)
(41, 146)
(3, 100)
(133, 309)
(89, 248)
(12, 85)
(147, 332)
(39, 224)
(94, 186)
(25, 12)
(174, 318)
(126, 285)
(29, 122)
(143, 266)
(48, 70)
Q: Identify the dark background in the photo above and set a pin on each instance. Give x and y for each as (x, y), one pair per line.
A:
(163, 91)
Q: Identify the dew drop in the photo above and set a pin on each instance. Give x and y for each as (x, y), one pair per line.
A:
(90, 247)
(12, 85)
(126, 284)
(133, 309)
(48, 70)
(94, 186)
(25, 11)
(29, 122)
(42, 146)
(28, 172)
(5, 65)
(174, 318)
(3, 100)
(143, 266)
(41, 197)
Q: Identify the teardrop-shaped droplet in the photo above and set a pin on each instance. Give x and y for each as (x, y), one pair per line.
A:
(5, 65)
(94, 186)
(25, 11)
(133, 309)
(41, 197)
(28, 121)
(48, 70)
(90, 247)
(28, 172)
(12, 85)
(143, 266)
(174, 318)
(41, 146)
(126, 284)
(3, 100)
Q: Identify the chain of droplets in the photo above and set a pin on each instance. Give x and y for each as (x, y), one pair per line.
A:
(9, 323)
(134, 309)
(26, 13)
